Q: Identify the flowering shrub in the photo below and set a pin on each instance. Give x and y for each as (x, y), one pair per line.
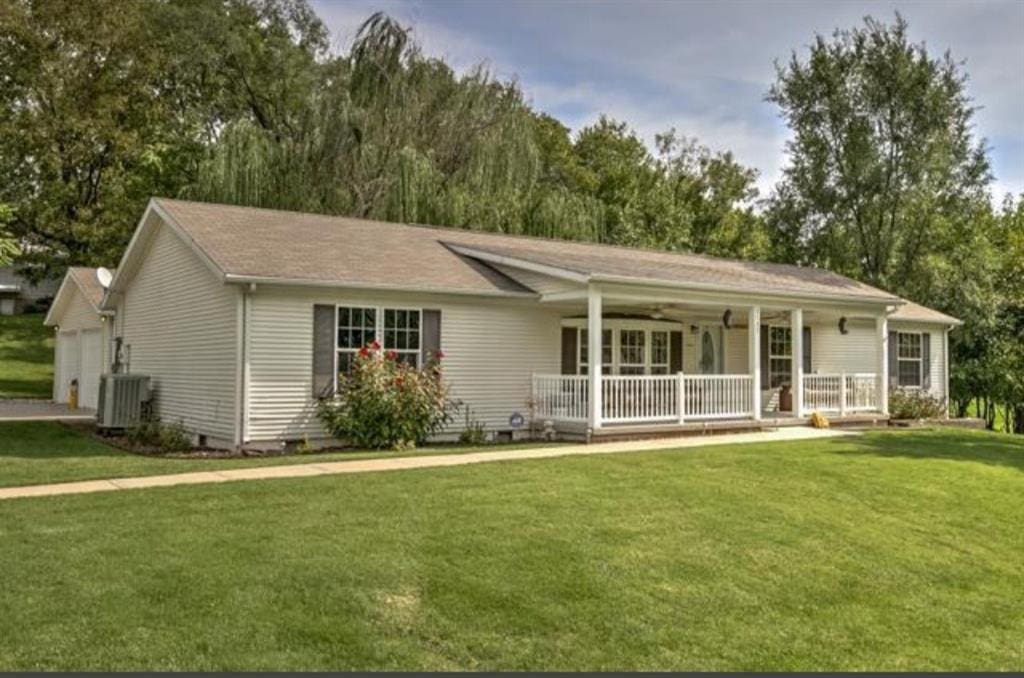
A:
(914, 404)
(386, 403)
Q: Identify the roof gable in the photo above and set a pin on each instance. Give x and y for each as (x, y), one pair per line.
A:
(83, 280)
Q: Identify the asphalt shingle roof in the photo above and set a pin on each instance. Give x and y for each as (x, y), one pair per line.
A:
(271, 244)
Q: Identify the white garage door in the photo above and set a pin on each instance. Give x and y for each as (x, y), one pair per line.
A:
(67, 363)
(91, 343)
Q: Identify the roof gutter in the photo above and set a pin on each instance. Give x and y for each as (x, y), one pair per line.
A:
(305, 282)
(708, 287)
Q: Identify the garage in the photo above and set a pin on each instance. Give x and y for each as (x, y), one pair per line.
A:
(82, 335)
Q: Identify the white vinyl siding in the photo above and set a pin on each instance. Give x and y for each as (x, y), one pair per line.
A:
(856, 351)
(491, 347)
(937, 357)
(735, 343)
(82, 330)
(834, 353)
(180, 324)
(78, 313)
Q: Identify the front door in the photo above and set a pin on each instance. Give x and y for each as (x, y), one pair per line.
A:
(709, 350)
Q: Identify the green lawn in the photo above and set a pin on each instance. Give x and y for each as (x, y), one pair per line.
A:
(26, 357)
(36, 453)
(887, 551)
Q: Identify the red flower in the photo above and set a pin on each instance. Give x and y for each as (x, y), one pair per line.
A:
(392, 355)
(438, 354)
(364, 352)
(399, 381)
(375, 345)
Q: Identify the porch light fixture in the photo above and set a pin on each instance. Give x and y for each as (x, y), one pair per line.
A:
(727, 319)
(842, 326)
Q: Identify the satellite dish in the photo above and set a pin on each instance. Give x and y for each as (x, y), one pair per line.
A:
(104, 276)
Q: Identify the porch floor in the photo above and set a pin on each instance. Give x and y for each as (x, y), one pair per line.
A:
(769, 422)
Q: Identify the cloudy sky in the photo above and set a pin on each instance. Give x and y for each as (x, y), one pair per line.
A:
(702, 67)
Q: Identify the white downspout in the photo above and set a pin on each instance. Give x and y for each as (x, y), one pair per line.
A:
(242, 366)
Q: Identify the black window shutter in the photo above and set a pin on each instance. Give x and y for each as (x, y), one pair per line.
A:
(807, 350)
(323, 350)
(430, 344)
(926, 361)
(675, 355)
(765, 377)
(894, 368)
(569, 338)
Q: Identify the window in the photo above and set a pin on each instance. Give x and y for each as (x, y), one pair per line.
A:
(659, 352)
(780, 356)
(606, 351)
(909, 358)
(360, 326)
(357, 327)
(631, 351)
(402, 334)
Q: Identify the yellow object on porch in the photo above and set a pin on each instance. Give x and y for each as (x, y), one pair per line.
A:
(818, 420)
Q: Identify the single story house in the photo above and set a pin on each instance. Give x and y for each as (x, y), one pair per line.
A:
(244, 317)
(83, 339)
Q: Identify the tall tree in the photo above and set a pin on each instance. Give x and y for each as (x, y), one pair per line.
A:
(107, 103)
(883, 155)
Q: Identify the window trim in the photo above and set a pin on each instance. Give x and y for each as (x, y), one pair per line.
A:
(779, 356)
(645, 349)
(667, 364)
(581, 346)
(615, 326)
(378, 329)
(919, 360)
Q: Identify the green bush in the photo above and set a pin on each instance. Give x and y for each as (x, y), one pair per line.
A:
(474, 433)
(385, 403)
(914, 404)
(154, 434)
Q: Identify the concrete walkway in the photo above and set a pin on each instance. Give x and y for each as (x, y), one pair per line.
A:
(412, 462)
(25, 409)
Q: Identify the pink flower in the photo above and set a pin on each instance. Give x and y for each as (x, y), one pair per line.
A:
(375, 345)
(438, 354)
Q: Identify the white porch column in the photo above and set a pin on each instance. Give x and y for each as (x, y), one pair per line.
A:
(796, 325)
(754, 356)
(594, 356)
(882, 380)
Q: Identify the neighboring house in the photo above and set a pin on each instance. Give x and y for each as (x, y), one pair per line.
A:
(83, 336)
(243, 317)
(18, 295)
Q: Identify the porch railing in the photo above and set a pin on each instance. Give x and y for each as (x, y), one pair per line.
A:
(639, 398)
(645, 398)
(842, 393)
(563, 397)
(716, 396)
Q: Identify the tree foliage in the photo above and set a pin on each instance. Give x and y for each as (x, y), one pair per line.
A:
(883, 157)
(887, 183)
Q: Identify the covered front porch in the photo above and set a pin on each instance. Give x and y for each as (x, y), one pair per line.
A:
(678, 362)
